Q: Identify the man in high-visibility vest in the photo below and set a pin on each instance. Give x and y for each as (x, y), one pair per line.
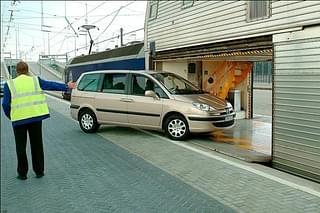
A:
(24, 103)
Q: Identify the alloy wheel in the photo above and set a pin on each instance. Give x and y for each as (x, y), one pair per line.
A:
(87, 121)
(177, 128)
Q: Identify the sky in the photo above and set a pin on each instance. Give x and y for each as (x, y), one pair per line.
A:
(30, 28)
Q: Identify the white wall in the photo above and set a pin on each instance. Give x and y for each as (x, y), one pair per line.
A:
(179, 68)
(243, 87)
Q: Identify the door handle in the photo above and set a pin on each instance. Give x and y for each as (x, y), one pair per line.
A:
(126, 100)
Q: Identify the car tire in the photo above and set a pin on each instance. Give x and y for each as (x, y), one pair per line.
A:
(176, 127)
(88, 121)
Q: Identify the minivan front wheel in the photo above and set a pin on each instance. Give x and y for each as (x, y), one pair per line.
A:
(176, 127)
(88, 121)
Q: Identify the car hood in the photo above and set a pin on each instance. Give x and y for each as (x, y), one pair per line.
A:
(211, 100)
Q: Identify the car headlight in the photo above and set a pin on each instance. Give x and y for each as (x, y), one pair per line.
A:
(229, 105)
(204, 107)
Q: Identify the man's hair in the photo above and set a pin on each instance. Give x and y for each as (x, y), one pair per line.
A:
(22, 68)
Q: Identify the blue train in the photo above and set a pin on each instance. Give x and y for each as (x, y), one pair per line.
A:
(123, 58)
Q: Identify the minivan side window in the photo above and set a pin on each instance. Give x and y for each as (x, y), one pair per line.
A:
(90, 82)
(115, 83)
(140, 84)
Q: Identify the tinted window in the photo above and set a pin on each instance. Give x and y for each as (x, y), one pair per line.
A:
(90, 82)
(115, 83)
(141, 83)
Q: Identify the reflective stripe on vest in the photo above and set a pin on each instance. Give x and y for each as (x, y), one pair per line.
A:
(27, 98)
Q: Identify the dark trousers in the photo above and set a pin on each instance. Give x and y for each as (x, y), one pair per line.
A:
(35, 136)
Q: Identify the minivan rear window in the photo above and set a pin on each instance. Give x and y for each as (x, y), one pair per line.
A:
(90, 82)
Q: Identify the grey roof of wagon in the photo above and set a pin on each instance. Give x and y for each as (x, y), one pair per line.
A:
(117, 52)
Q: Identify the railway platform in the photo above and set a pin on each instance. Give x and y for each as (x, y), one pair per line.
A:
(130, 170)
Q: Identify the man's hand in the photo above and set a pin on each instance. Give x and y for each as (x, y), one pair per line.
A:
(72, 85)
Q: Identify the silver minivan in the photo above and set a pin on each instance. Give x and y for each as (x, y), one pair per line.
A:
(149, 100)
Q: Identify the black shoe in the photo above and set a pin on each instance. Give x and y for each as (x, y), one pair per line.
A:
(22, 177)
(39, 175)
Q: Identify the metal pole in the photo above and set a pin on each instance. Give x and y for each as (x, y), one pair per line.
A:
(48, 44)
(75, 46)
(86, 21)
(41, 14)
(40, 66)
(19, 51)
(16, 43)
(91, 42)
(2, 35)
(44, 43)
(121, 37)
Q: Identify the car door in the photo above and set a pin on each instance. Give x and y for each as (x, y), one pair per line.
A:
(143, 111)
(88, 86)
(111, 102)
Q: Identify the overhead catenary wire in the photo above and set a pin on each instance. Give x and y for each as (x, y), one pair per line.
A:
(89, 12)
(33, 11)
(62, 43)
(84, 4)
(76, 20)
(25, 45)
(25, 32)
(108, 25)
(123, 35)
(135, 11)
(21, 23)
(9, 25)
(83, 47)
(58, 42)
(117, 12)
(75, 17)
(56, 32)
(4, 10)
(36, 29)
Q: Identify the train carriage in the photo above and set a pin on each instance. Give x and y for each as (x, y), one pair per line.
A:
(129, 57)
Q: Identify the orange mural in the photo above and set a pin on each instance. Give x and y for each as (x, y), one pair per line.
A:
(225, 76)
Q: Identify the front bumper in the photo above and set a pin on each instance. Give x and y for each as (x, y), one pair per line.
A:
(210, 123)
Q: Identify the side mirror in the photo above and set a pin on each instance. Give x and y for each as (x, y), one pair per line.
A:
(150, 93)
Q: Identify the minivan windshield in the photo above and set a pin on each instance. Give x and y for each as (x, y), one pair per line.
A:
(176, 84)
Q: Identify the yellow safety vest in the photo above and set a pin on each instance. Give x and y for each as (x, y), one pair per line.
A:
(27, 98)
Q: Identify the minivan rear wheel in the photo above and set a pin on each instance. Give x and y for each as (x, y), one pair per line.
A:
(176, 127)
(88, 121)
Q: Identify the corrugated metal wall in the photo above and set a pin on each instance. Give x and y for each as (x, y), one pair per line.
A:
(296, 121)
(217, 21)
